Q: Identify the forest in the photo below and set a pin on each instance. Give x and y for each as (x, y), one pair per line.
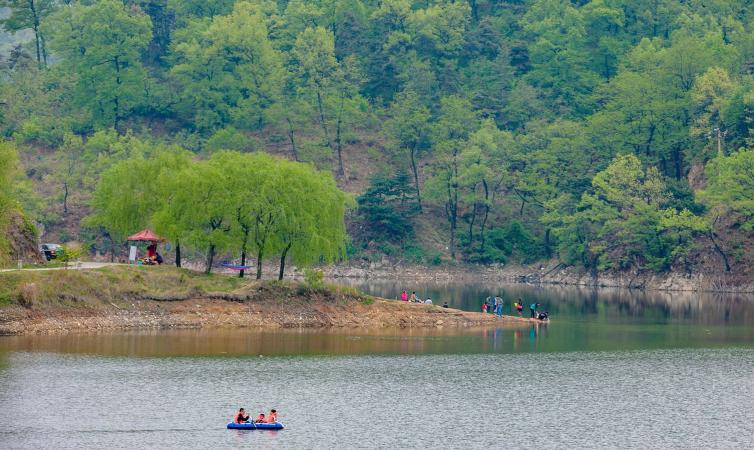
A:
(602, 134)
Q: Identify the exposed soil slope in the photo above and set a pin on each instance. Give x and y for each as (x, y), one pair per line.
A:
(163, 297)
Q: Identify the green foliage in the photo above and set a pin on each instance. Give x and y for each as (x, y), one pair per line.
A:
(503, 112)
(70, 252)
(104, 60)
(387, 208)
(730, 186)
(8, 167)
(625, 221)
(314, 278)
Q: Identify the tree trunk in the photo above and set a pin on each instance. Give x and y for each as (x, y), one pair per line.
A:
(322, 119)
(412, 153)
(210, 258)
(719, 250)
(116, 100)
(260, 255)
(292, 138)
(338, 144)
(177, 253)
(486, 215)
(282, 261)
(243, 263)
(65, 197)
(471, 226)
(35, 26)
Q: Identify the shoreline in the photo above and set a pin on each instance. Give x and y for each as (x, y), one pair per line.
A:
(130, 297)
(208, 313)
(555, 274)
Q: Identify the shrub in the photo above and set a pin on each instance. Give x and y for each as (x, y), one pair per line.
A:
(28, 294)
(314, 278)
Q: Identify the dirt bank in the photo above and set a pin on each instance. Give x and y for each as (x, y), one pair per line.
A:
(130, 298)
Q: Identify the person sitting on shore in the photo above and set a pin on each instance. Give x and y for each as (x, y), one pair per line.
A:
(519, 306)
(543, 316)
(241, 417)
(404, 296)
(413, 297)
(260, 418)
(445, 305)
(273, 417)
(428, 301)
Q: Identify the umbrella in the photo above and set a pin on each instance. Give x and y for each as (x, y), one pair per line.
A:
(145, 236)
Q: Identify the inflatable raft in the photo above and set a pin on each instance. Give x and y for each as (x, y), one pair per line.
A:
(255, 426)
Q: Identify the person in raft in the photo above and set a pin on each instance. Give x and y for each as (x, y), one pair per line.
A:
(273, 417)
(241, 417)
(260, 418)
(404, 296)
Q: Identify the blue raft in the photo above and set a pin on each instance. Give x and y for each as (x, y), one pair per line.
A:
(255, 426)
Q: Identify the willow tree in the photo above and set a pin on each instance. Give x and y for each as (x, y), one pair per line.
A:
(196, 208)
(130, 192)
(311, 226)
(253, 206)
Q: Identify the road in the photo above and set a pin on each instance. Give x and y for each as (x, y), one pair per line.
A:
(83, 265)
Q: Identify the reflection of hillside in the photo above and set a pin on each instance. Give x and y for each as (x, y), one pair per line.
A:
(579, 303)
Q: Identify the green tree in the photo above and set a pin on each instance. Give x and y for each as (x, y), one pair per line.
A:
(25, 14)
(387, 208)
(456, 122)
(101, 46)
(8, 167)
(132, 191)
(409, 128)
(228, 71)
(626, 221)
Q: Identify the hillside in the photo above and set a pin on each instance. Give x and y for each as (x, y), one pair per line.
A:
(610, 136)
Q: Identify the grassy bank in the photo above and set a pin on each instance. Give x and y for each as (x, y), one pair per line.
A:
(126, 297)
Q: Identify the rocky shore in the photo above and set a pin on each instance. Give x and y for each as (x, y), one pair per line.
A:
(553, 274)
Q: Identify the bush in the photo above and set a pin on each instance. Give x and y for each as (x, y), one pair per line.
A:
(72, 251)
(314, 278)
(28, 295)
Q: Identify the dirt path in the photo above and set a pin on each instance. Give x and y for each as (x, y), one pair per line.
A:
(82, 265)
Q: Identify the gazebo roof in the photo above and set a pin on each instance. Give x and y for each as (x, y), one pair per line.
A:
(146, 235)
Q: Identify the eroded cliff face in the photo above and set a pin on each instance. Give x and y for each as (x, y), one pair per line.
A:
(22, 241)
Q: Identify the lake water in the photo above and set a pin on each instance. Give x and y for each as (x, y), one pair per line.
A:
(613, 370)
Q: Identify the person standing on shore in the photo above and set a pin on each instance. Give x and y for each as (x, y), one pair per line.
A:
(533, 309)
(404, 296)
(484, 307)
(500, 308)
(520, 306)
